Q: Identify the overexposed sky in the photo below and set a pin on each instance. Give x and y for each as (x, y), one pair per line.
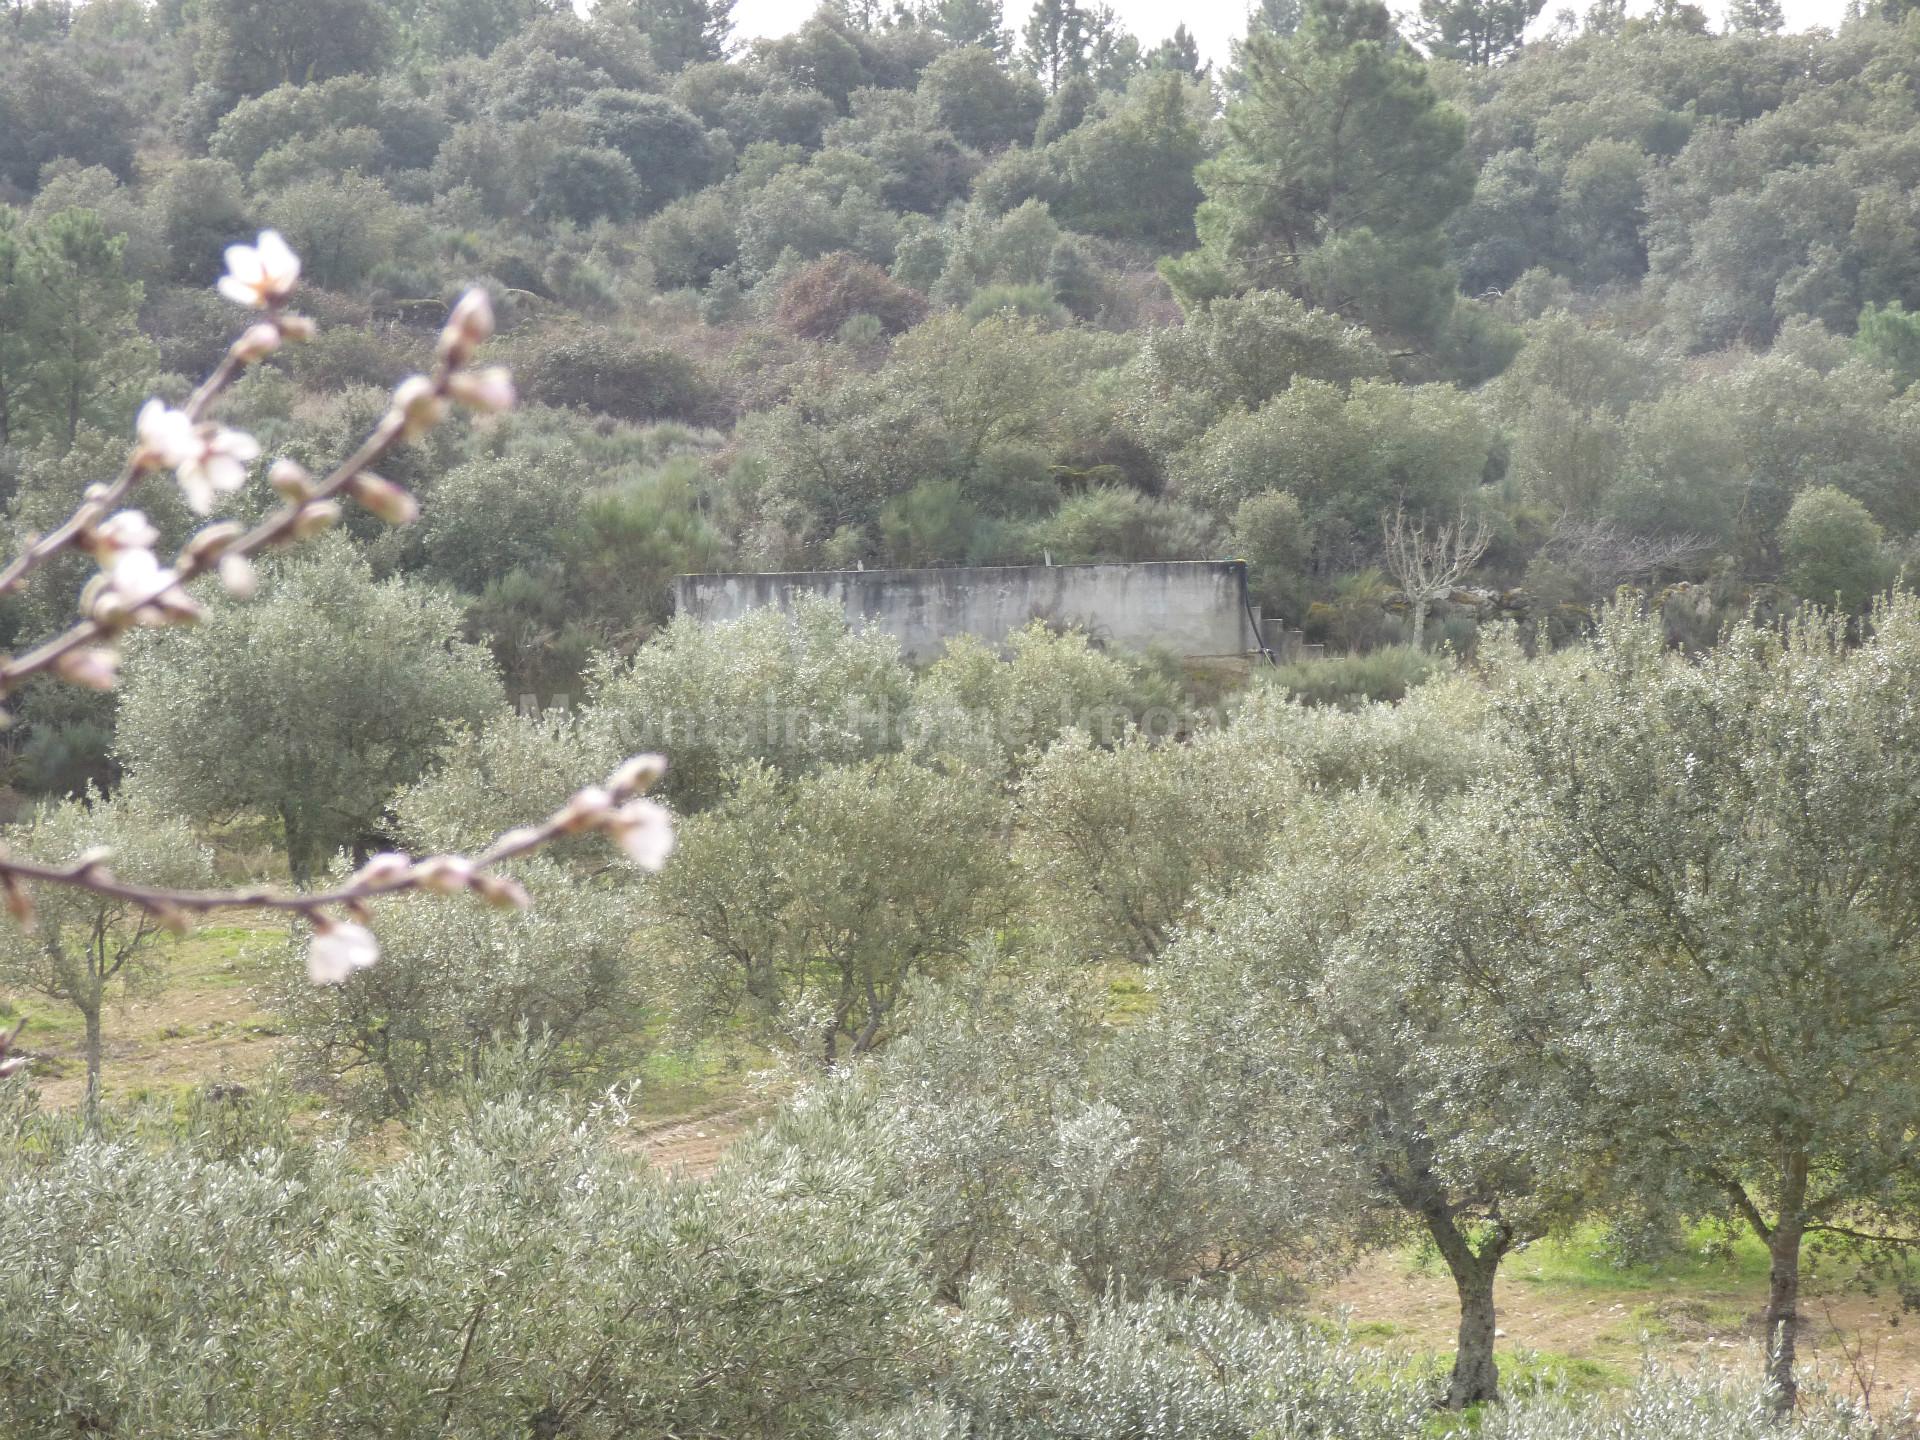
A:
(1213, 22)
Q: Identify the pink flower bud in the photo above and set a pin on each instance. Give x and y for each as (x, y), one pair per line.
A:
(445, 874)
(517, 839)
(384, 870)
(470, 325)
(501, 892)
(315, 518)
(256, 342)
(585, 810)
(213, 541)
(95, 667)
(637, 775)
(290, 480)
(489, 391)
(419, 406)
(392, 503)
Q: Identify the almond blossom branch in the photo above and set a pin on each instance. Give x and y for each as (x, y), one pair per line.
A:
(133, 588)
(147, 594)
(269, 282)
(642, 828)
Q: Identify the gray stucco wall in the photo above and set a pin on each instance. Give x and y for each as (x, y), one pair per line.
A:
(1192, 607)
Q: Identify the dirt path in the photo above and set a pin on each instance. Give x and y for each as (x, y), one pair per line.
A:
(158, 1045)
(693, 1146)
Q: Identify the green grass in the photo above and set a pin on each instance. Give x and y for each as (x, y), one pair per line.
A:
(1707, 1261)
(1705, 1258)
(1372, 1332)
(216, 958)
(1525, 1375)
(1128, 997)
(50, 1025)
(223, 957)
(696, 1080)
(1548, 1372)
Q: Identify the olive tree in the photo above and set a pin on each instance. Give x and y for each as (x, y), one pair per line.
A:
(518, 1271)
(1053, 1157)
(1360, 960)
(485, 779)
(1737, 836)
(1120, 843)
(311, 703)
(79, 945)
(812, 905)
(794, 689)
(452, 982)
(998, 709)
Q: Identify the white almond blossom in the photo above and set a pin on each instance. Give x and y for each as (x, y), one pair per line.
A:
(261, 274)
(139, 586)
(339, 948)
(121, 533)
(208, 460)
(644, 829)
(220, 467)
(165, 433)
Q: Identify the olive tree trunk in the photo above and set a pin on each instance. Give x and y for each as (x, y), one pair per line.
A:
(1476, 1375)
(1783, 1312)
(91, 1014)
(1783, 1282)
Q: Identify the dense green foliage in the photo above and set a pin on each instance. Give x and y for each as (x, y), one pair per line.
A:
(900, 276)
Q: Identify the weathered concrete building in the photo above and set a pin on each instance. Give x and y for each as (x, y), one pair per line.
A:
(1194, 608)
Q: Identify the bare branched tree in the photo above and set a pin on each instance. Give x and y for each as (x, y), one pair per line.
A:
(1604, 556)
(1429, 565)
(134, 588)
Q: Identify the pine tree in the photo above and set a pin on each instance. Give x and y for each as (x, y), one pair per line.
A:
(1056, 39)
(679, 32)
(1606, 17)
(78, 318)
(979, 23)
(1755, 17)
(1275, 17)
(1180, 53)
(1113, 55)
(1340, 167)
(12, 306)
(1475, 32)
(1278, 18)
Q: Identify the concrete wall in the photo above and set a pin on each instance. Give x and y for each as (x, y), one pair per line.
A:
(1192, 607)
